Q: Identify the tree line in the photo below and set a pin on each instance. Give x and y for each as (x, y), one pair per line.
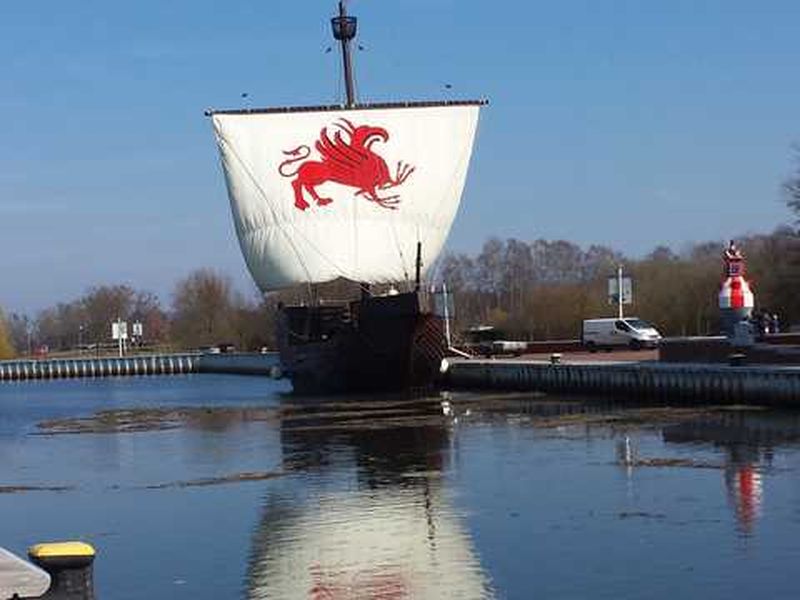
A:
(530, 290)
(545, 288)
(204, 310)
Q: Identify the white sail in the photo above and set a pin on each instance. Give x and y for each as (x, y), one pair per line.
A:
(322, 194)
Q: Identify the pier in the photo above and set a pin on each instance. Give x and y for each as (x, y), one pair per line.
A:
(162, 364)
(648, 379)
(673, 382)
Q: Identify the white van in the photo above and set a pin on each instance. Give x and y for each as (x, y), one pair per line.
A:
(631, 332)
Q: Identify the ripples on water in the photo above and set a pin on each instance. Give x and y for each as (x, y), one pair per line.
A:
(227, 487)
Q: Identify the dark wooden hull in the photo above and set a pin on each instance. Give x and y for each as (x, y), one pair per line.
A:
(376, 344)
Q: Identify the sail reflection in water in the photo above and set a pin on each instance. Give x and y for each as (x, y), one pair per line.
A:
(379, 524)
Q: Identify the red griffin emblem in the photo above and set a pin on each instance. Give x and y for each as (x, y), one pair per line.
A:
(350, 162)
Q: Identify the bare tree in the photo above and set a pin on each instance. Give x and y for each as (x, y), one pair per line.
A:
(147, 310)
(599, 261)
(6, 347)
(59, 327)
(100, 307)
(792, 186)
(489, 270)
(517, 273)
(203, 310)
(20, 328)
(557, 261)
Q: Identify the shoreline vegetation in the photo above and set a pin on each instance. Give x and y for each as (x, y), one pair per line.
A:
(529, 290)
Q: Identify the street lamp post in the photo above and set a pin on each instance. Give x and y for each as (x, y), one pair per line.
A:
(620, 291)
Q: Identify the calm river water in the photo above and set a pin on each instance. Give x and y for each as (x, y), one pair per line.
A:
(205, 486)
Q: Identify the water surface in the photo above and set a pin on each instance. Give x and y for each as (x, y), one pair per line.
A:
(219, 486)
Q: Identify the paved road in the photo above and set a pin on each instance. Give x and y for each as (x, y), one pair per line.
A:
(615, 356)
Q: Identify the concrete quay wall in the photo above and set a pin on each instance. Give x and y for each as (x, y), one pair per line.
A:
(774, 349)
(62, 368)
(240, 363)
(163, 364)
(676, 382)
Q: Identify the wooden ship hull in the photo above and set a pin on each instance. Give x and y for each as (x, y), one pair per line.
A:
(375, 344)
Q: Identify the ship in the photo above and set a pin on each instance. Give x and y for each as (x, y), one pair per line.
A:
(362, 192)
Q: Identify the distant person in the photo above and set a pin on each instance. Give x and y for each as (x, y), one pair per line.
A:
(775, 325)
(758, 322)
(766, 322)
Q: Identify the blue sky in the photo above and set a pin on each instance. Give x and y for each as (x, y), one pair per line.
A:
(627, 123)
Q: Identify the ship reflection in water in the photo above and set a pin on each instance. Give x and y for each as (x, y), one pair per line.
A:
(379, 523)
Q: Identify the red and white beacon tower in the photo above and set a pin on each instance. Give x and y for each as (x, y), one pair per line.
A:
(735, 296)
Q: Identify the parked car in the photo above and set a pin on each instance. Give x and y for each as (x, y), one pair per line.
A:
(218, 348)
(488, 341)
(630, 332)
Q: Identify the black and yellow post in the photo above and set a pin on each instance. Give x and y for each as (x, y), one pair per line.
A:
(70, 565)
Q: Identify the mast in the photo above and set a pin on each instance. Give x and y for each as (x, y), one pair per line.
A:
(418, 265)
(344, 30)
